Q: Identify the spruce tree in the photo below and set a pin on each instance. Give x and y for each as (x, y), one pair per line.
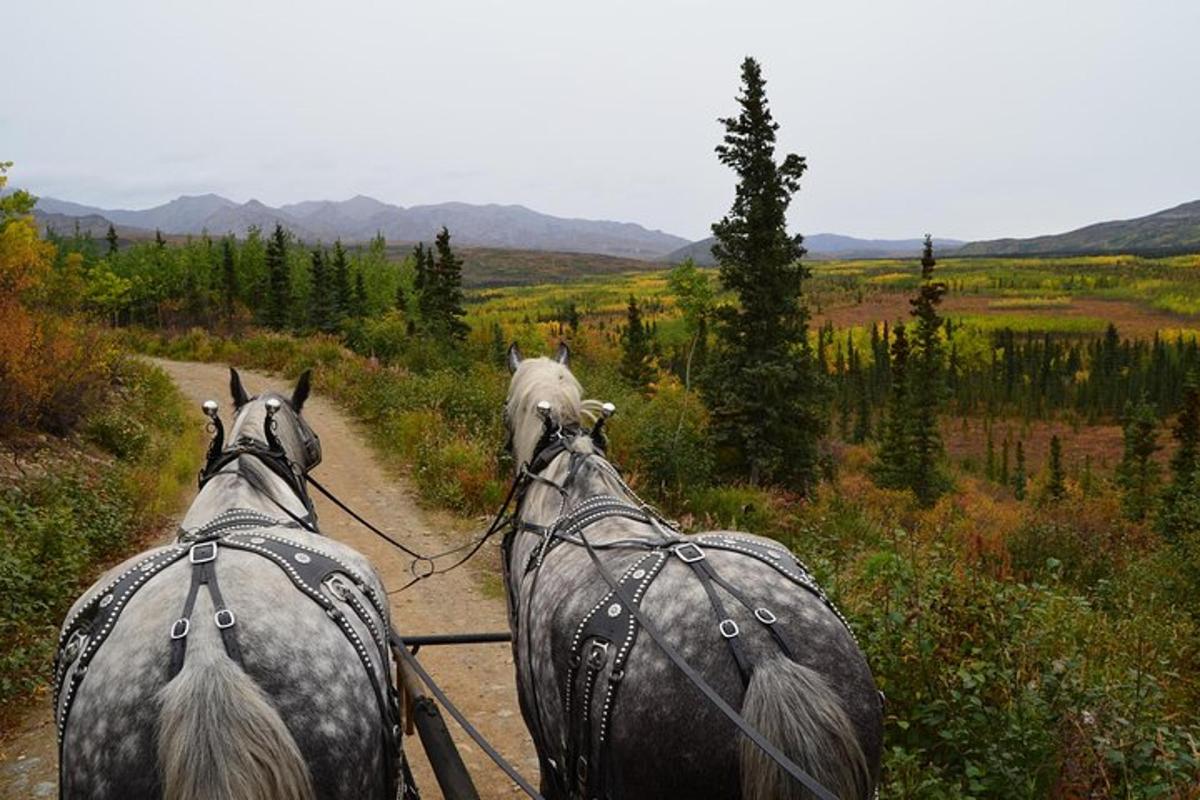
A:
(894, 461)
(1137, 474)
(342, 287)
(323, 313)
(1018, 479)
(420, 277)
(279, 285)
(159, 241)
(111, 238)
(449, 293)
(1003, 477)
(766, 399)
(360, 295)
(1056, 480)
(1179, 512)
(927, 478)
(635, 349)
(229, 282)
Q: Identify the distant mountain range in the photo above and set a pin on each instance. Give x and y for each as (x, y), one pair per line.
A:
(514, 227)
(360, 218)
(827, 246)
(1173, 230)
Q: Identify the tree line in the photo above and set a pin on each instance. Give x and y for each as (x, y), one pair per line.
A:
(270, 279)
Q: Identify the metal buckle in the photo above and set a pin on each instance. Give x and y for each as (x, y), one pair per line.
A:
(729, 628)
(178, 632)
(692, 550)
(221, 616)
(598, 655)
(199, 555)
(765, 616)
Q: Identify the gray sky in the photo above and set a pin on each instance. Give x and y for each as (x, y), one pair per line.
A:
(967, 119)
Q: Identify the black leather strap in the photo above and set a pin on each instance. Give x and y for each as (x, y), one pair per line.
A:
(203, 556)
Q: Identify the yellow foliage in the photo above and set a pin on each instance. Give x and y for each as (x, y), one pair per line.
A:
(49, 366)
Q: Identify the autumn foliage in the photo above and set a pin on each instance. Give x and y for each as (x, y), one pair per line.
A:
(51, 363)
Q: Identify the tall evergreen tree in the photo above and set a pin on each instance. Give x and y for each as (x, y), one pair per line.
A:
(229, 278)
(323, 311)
(1056, 479)
(279, 283)
(766, 398)
(1137, 474)
(449, 292)
(360, 295)
(894, 462)
(111, 238)
(1179, 512)
(1018, 478)
(342, 286)
(420, 277)
(635, 349)
(158, 239)
(928, 479)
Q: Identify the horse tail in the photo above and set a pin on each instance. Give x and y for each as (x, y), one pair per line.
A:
(794, 708)
(220, 738)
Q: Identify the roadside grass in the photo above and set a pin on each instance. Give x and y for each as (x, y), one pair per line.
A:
(82, 504)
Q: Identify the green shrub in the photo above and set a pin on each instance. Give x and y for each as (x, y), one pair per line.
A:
(59, 530)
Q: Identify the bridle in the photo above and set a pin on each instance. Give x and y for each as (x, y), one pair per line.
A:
(271, 455)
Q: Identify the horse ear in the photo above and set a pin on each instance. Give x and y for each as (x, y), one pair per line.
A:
(240, 398)
(514, 357)
(563, 355)
(300, 394)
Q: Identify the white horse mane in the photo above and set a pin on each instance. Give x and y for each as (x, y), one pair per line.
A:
(538, 379)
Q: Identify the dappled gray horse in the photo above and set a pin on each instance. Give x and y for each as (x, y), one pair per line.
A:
(611, 717)
(247, 660)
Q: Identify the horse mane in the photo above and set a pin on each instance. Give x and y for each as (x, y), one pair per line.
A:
(539, 379)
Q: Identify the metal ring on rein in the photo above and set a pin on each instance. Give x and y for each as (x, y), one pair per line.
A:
(412, 567)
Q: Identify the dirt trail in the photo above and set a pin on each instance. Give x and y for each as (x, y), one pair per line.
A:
(478, 678)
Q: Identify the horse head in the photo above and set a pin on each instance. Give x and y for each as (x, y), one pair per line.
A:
(255, 415)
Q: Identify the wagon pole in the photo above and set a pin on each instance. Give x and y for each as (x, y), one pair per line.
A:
(422, 712)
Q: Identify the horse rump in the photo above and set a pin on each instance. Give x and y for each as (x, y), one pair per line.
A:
(796, 710)
(220, 738)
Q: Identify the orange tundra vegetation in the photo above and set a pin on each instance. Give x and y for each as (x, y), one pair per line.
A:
(50, 364)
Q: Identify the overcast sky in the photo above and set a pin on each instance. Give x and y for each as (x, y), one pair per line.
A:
(967, 119)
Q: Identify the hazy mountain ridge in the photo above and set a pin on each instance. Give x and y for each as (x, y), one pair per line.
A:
(360, 218)
(828, 246)
(1175, 229)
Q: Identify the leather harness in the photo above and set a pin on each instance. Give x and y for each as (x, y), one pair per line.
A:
(606, 635)
(330, 583)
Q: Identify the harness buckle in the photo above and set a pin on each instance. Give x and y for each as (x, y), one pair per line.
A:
(224, 618)
(597, 655)
(688, 552)
(765, 616)
(203, 552)
(728, 628)
(180, 628)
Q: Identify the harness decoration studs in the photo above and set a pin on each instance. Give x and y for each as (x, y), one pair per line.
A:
(322, 578)
(606, 635)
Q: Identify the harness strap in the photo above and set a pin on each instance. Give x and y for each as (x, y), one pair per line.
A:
(726, 624)
(203, 556)
(763, 615)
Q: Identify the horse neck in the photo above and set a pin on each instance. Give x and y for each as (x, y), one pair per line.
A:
(543, 503)
(231, 489)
